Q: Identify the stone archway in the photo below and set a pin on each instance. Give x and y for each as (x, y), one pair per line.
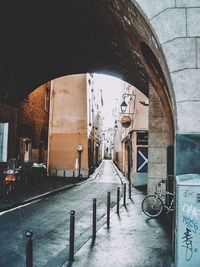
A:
(76, 37)
(161, 124)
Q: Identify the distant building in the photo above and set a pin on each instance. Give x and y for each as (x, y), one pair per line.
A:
(33, 126)
(74, 126)
(108, 143)
(24, 129)
(95, 122)
(131, 135)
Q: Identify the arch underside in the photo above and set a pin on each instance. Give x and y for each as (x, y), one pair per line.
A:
(43, 41)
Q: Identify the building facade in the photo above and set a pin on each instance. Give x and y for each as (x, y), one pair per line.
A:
(131, 135)
(95, 122)
(74, 126)
(33, 116)
(68, 126)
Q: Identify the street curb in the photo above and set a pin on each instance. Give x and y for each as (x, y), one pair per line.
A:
(118, 172)
(49, 193)
(52, 192)
(60, 189)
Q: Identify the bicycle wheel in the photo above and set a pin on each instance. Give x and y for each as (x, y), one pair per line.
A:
(152, 206)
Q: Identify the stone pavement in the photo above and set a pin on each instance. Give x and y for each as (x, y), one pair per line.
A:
(133, 240)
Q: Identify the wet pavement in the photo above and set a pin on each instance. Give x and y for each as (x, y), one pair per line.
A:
(132, 240)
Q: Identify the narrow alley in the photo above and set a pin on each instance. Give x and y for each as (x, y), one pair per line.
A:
(132, 240)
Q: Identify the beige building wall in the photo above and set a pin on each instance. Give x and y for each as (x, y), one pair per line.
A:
(140, 124)
(68, 125)
(140, 116)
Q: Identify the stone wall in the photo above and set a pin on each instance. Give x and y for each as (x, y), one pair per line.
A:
(34, 115)
(159, 140)
(177, 28)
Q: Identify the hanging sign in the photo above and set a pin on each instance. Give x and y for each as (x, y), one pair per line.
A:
(142, 138)
(126, 121)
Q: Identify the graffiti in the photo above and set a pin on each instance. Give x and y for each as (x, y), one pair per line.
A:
(191, 211)
(187, 193)
(187, 244)
(190, 224)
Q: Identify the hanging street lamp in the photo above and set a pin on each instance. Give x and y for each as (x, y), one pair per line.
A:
(123, 106)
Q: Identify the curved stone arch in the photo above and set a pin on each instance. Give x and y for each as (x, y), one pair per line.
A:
(143, 6)
(161, 123)
(175, 24)
(150, 10)
(91, 45)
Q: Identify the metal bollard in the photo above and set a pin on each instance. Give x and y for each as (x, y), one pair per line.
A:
(29, 249)
(108, 209)
(118, 198)
(129, 187)
(71, 235)
(124, 195)
(94, 219)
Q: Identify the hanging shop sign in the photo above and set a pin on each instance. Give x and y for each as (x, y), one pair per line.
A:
(142, 138)
(126, 121)
(142, 159)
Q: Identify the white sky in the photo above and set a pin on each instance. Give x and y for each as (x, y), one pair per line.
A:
(111, 89)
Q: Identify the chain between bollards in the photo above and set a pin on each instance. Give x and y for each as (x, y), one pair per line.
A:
(118, 199)
(71, 235)
(125, 195)
(29, 249)
(108, 209)
(94, 219)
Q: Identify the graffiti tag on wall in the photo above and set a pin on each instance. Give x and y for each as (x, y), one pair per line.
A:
(191, 222)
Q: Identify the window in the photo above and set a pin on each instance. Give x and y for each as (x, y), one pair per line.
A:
(3, 141)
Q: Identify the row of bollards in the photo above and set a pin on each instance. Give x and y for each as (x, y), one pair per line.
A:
(94, 219)
(29, 233)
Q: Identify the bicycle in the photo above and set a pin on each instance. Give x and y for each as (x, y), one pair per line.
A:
(154, 205)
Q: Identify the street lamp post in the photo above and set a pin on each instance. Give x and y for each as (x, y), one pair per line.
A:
(79, 149)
